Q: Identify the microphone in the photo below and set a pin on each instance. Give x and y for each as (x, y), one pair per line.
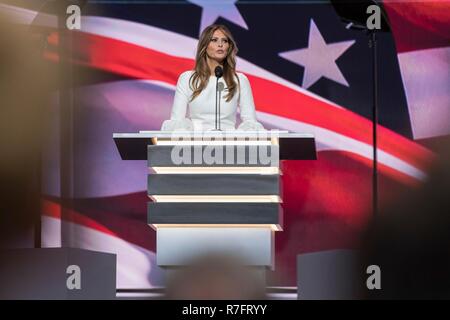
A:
(218, 71)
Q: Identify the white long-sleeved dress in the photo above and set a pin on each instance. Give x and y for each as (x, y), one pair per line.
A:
(201, 111)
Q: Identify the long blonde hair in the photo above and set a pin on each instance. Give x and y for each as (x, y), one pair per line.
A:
(200, 77)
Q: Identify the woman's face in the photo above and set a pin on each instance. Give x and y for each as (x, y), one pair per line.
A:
(218, 46)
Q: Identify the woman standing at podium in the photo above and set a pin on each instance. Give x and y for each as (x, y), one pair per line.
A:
(196, 88)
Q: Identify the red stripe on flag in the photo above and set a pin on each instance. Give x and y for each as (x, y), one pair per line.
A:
(53, 209)
(419, 25)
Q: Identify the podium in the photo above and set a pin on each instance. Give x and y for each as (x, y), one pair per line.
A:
(215, 192)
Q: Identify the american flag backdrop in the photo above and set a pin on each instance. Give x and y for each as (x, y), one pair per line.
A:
(308, 74)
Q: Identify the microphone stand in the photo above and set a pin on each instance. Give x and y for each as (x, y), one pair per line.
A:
(217, 89)
(355, 17)
(373, 46)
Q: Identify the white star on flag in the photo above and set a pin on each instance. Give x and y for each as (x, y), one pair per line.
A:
(213, 9)
(319, 59)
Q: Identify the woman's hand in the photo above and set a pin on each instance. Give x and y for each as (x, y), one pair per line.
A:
(251, 125)
(184, 124)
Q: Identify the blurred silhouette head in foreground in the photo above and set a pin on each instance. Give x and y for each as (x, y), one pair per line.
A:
(215, 277)
(410, 240)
